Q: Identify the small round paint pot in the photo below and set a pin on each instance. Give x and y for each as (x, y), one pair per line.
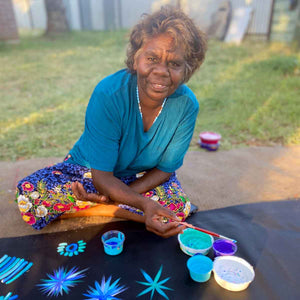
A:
(200, 267)
(113, 242)
(193, 242)
(233, 273)
(209, 140)
(224, 247)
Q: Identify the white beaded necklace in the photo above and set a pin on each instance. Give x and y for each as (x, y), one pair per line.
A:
(140, 109)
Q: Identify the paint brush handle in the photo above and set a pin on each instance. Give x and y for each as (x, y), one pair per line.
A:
(165, 220)
(206, 231)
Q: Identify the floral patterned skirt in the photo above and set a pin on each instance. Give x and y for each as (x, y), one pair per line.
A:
(46, 194)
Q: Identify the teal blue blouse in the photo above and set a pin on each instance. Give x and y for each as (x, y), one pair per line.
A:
(114, 139)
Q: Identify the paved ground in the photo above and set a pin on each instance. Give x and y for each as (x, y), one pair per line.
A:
(211, 179)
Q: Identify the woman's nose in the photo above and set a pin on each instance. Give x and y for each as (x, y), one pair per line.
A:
(161, 69)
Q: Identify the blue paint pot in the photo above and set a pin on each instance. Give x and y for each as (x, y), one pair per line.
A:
(200, 267)
(113, 242)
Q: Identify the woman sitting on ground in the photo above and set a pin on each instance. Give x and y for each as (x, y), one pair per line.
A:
(138, 126)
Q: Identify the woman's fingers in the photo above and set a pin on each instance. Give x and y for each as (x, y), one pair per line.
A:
(165, 230)
(81, 194)
(166, 213)
(75, 190)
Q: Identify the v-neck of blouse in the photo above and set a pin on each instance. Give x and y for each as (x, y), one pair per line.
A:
(141, 114)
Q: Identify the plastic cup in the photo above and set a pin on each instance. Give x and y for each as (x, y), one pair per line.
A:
(200, 267)
(224, 247)
(113, 242)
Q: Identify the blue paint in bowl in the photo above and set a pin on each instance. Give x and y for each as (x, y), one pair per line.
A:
(113, 242)
(200, 267)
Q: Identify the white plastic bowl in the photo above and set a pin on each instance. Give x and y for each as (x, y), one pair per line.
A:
(233, 273)
(193, 242)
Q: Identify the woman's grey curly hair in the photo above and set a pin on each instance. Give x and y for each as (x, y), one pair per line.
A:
(183, 30)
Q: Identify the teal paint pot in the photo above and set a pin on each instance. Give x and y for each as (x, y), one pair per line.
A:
(193, 241)
(200, 267)
(113, 242)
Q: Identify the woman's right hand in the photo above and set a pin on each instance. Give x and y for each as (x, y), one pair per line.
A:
(154, 216)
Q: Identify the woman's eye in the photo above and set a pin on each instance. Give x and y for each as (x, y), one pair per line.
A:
(152, 59)
(174, 64)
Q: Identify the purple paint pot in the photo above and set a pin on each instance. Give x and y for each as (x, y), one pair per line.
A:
(224, 247)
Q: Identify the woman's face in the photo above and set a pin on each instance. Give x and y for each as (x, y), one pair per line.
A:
(159, 67)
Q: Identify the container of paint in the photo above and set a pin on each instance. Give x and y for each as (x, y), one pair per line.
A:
(224, 247)
(200, 267)
(113, 242)
(209, 140)
(193, 242)
(233, 273)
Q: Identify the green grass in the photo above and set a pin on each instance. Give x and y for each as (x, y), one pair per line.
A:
(249, 94)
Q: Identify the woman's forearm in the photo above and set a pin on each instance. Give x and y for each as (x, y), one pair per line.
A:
(150, 180)
(109, 185)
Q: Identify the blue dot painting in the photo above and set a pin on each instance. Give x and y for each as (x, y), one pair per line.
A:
(11, 268)
(9, 296)
(105, 290)
(61, 281)
(71, 249)
(154, 285)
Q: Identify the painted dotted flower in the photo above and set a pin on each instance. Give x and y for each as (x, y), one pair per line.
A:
(27, 186)
(71, 249)
(28, 218)
(24, 204)
(41, 211)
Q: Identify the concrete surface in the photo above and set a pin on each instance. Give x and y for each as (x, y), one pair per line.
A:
(211, 179)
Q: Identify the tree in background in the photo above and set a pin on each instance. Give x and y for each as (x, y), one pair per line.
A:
(297, 31)
(56, 17)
